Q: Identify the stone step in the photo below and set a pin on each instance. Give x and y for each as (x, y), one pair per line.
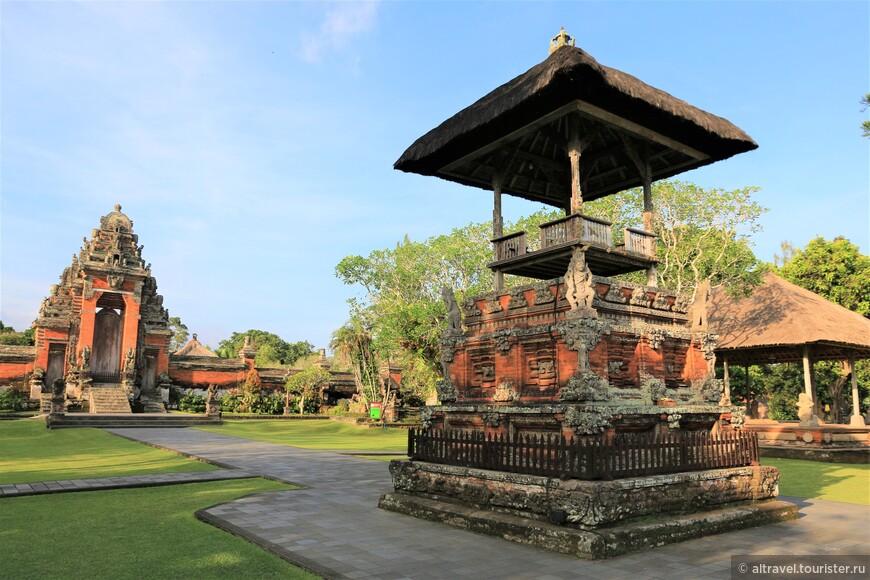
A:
(109, 399)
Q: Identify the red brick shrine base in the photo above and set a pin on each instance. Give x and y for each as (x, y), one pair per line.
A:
(599, 519)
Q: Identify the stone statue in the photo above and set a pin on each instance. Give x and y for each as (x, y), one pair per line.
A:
(129, 362)
(212, 406)
(578, 282)
(454, 316)
(805, 411)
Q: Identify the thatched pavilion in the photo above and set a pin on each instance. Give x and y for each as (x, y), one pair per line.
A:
(781, 322)
(567, 131)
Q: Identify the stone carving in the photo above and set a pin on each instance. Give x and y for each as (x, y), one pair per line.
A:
(502, 340)
(579, 290)
(543, 296)
(586, 423)
(585, 386)
(492, 306)
(699, 306)
(581, 335)
(518, 299)
(505, 392)
(446, 391)
(707, 390)
(639, 298)
(485, 372)
(681, 304)
(37, 383)
(655, 338)
(130, 362)
(542, 370)
(450, 339)
(426, 415)
(738, 417)
(708, 345)
(805, 407)
(86, 359)
(163, 381)
(454, 316)
(492, 419)
(58, 397)
(212, 404)
(615, 294)
(661, 302)
(115, 280)
(652, 389)
(674, 420)
(469, 305)
(614, 367)
(88, 289)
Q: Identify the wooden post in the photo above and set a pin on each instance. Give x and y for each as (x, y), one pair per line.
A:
(856, 420)
(809, 387)
(726, 379)
(751, 402)
(576, 192)
(647, 199)
(497, 228)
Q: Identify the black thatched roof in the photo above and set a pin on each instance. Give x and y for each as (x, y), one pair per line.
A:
(520, 130)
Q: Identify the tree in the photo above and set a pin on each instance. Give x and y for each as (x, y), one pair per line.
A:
(272, 350)
(307, 386)
(865, 126)
(702, 233)
(836, 270)
(9, 336)
(180, 333)
(251, 389)
(353, 343)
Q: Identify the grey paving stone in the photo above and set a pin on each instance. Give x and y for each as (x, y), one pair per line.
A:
(335, 523)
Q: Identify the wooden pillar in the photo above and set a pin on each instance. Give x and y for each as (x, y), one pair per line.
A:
(809, 386)
(576, 191)
(751, 403)
(726, 379)
(646, 176)
(856, 420)
(497, 228)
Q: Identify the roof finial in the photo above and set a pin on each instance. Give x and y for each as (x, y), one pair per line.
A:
(561, 39)
(118, 205)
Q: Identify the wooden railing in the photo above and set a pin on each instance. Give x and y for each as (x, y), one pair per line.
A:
(622, 455)
(640, 242)
(509, 246)
(576, 227)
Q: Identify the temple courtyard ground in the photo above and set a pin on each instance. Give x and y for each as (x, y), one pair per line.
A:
(331, 525)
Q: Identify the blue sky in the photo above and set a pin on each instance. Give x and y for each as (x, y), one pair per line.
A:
(252, 143)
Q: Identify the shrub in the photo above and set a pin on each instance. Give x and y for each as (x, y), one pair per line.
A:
(13, 400)
(191, 403)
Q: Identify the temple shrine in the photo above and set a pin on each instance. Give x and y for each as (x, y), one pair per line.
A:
(576, 407)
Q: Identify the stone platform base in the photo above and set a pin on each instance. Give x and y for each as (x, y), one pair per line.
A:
(590, 544)
(859, 454)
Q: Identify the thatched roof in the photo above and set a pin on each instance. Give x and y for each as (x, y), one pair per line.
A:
(779, 319)
(194, 348)
(520, 128)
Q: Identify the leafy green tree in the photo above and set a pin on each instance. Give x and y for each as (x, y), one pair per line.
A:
(702, 233)
(9, 336)
(307, 386)
(836, 270)
(180, 334)
(251, 389)
(353, 343)
(272, 350)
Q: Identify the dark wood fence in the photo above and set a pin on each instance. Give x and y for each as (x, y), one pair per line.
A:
(598, 457)
(109, 377)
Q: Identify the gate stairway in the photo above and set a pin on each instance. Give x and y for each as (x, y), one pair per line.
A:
(109, 398)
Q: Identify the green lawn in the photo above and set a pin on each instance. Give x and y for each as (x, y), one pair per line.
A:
(30, 452)
(132, 533)
(315, 434)
(845, 482)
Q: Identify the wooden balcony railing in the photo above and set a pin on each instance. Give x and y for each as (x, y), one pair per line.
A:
(509, 246)
(574, 228)
(640, 242)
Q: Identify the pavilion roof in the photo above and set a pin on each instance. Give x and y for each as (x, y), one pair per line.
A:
(520, 129)
(194, 348)
(779, 319)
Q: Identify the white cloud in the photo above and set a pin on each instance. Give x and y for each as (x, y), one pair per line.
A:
(340, 27)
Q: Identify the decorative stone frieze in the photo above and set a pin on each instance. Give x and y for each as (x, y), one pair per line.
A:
(446, 391)
(505, 392)
(652, 389)
(586, 422)
(585, 386)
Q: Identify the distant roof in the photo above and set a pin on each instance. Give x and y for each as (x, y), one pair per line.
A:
(193, 348)
(519, 129)
(779, 318)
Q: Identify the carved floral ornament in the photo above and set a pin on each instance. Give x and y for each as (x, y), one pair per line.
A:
(586, 422)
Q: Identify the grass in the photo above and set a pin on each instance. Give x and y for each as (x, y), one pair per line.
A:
(136, 533)
(844, 482)
(332, 435)
(30, 452)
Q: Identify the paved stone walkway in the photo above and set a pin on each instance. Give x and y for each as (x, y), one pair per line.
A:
(333, 526)
(120, 482)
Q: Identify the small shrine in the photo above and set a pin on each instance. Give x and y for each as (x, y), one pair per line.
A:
(103, 331)
(575, 408)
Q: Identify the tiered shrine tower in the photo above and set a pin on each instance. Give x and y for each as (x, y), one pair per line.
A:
(103, 329)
